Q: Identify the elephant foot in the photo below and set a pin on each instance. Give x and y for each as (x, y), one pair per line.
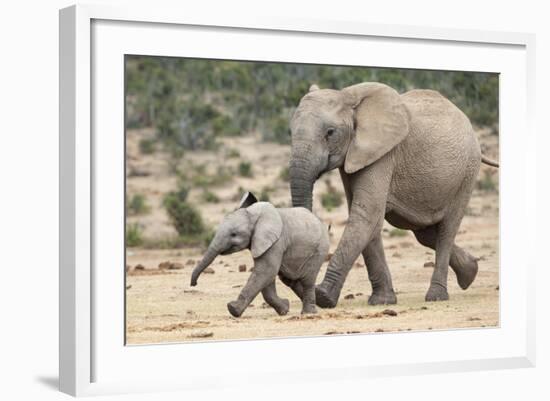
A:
(467, 273)
(234, 308)
(383, 298)
(437, 292)
(309, 309)
(324, 298)
(283, 308)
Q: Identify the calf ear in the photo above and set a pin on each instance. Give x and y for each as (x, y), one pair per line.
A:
(268, 227)
(247, 200)
(381, 121)
(313, 88)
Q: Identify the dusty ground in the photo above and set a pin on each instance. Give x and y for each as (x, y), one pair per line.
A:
(162, 307)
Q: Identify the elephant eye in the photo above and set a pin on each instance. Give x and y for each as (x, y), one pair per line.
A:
(330, 131)
(233, 234)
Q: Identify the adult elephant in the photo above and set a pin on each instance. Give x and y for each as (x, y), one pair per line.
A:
(412, 159)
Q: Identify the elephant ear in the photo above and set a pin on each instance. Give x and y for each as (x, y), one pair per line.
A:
(381, 122)
(268, 227)
(247, 199)
(314, 87)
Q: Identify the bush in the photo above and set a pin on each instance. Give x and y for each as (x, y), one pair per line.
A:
(397, 232)
(207, 237)
(179, 241)
(210, 197)
(487, 183)
(182, 192)
(245, 169)
(133, 235)
(224, 125)
(186, 124)
(264, 195)
(138, 205)
(277, 130)
(233, 153)
(186, 219)
(147, 146)
(285, 174)
(332, 198)
(202, 179)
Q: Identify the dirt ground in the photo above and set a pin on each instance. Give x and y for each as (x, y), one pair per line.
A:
(162, 307)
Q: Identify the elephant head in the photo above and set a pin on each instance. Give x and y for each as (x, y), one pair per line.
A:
(254, 225)
(349, 128)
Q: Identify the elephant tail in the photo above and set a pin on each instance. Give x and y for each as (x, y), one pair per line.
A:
(489, 162)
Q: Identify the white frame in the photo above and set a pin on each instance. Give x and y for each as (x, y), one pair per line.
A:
(76, 204)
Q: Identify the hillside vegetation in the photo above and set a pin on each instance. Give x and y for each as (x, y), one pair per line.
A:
(191, 103)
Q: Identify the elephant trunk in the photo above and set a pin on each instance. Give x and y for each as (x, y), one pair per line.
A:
(207, 259)
(301, 185)
(301, 192)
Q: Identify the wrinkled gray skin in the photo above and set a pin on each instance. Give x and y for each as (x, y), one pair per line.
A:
(291, 243)
(411, 159)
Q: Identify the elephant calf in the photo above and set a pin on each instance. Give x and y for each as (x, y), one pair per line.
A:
(290, 242)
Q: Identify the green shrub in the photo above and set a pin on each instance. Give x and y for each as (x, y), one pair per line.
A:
(264, 194)
(233, 154)
(195, 240)
(277, 130)
(245, 169)
(174, 159)
(133, 235)
(210, 197)
(186, 123)
(147, 146)
(207, 237)
(487, 183)
(138, 205)
(397, 232)
(186, 219)
(331, 198)
(224, 125)
(285, 174)
(203, 180)
(181, 193)
(179, 241)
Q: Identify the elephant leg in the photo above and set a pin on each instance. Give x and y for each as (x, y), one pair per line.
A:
(294, 285)
(280, 305)
(443, 248)
(463, 264)
(375, 260)
(379, 274)
(258, 280)
(444, 244)
(445, 234)
(308, 300)
(366, 215)
(308, 283)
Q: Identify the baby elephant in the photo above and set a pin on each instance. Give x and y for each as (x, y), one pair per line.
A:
(290, 242)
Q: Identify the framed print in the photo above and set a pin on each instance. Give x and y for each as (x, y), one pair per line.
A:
(245, 190)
